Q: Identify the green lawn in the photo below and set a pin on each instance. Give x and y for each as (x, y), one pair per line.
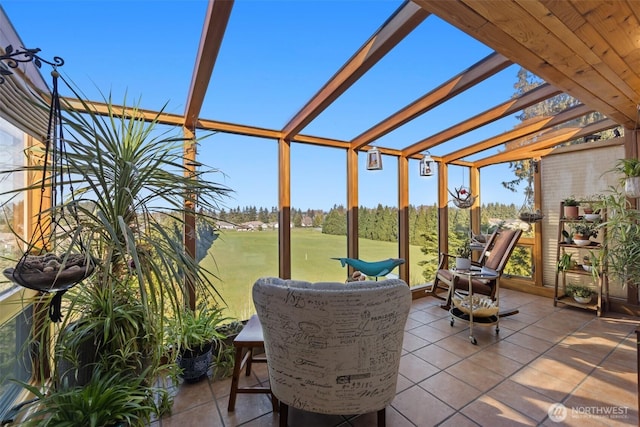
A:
(239, 258)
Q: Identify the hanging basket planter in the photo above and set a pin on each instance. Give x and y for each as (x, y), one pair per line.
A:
(531, 217)
(632, 186)
(50, 273)
(462, 197)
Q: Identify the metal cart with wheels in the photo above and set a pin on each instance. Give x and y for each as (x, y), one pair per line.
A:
(475, 309)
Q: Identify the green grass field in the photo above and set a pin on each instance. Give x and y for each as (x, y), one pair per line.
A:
(239, 258)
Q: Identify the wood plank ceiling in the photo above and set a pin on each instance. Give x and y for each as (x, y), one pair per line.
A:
(589, 49)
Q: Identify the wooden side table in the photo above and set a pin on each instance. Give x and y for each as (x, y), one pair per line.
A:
(247, 341)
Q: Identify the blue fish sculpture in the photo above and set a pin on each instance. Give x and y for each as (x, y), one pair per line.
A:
(373, 269)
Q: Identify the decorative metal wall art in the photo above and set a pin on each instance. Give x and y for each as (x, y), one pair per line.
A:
(11, 58)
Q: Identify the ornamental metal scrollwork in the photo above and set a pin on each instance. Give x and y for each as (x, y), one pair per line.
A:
(11, 58)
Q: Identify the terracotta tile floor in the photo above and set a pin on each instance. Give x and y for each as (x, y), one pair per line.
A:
(542, 356)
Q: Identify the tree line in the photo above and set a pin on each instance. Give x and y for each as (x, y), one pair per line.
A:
(381, 223)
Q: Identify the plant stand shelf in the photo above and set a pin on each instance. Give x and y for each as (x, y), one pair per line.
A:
(578, 273)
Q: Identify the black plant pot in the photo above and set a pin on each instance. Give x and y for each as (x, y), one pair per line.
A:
(195, 364)
(78, 374)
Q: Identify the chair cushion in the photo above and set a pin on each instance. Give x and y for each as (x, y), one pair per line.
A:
(479, 286)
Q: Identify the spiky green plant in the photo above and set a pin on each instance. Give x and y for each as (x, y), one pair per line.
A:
(132, 187)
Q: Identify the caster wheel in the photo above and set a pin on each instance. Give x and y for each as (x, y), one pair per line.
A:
(497, 331)
(473, 340)
(451, 323)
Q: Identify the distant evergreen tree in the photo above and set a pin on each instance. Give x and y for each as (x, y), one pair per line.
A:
(335, 222)
(263, 215)
(318, 219)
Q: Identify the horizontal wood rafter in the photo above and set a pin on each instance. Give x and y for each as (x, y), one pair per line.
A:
(520, 131)
(550, 140)
(532, 97)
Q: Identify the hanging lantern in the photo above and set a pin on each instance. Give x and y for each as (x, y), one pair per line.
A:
(426, 165)
(374, 159)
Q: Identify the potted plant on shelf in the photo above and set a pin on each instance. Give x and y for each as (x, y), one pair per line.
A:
(570, 210)
(583, 231)
(195, 334)
(565, 262)
(580, 293)
(630, 168)
(463, 255)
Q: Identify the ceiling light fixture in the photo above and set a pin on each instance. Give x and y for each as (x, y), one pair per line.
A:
(426, 165)
(374, 159)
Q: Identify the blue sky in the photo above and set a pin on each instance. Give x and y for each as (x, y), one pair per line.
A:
(275, 56)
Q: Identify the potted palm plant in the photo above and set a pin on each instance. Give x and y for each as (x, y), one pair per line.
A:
(134, 186)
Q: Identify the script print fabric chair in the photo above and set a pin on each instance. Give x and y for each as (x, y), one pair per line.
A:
(495, 257)
(333, 348)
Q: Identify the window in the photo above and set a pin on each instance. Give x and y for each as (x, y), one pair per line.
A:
(12, 208)
(15, 313)
(15, 362)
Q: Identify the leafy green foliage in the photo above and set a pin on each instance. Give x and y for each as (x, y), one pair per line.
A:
(564, 263)
(585, 228)
(579, 291)
(571, 201)
(133, 186)
(108, 399)
(628, 167)
(622, 239)
(191, 330)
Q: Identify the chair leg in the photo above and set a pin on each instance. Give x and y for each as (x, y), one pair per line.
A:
(382, 419)
(436, 287)
(284, 414)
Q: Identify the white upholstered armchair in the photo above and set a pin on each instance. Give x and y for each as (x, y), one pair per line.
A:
(333, 348)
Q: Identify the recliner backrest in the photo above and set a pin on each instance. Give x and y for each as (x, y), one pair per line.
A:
(503, 245)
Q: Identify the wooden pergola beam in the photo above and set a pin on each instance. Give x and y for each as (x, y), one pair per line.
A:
(547, 141)
(397, 27)
(519, 132)
(470, 77)
(215, 24)
(505, 109)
